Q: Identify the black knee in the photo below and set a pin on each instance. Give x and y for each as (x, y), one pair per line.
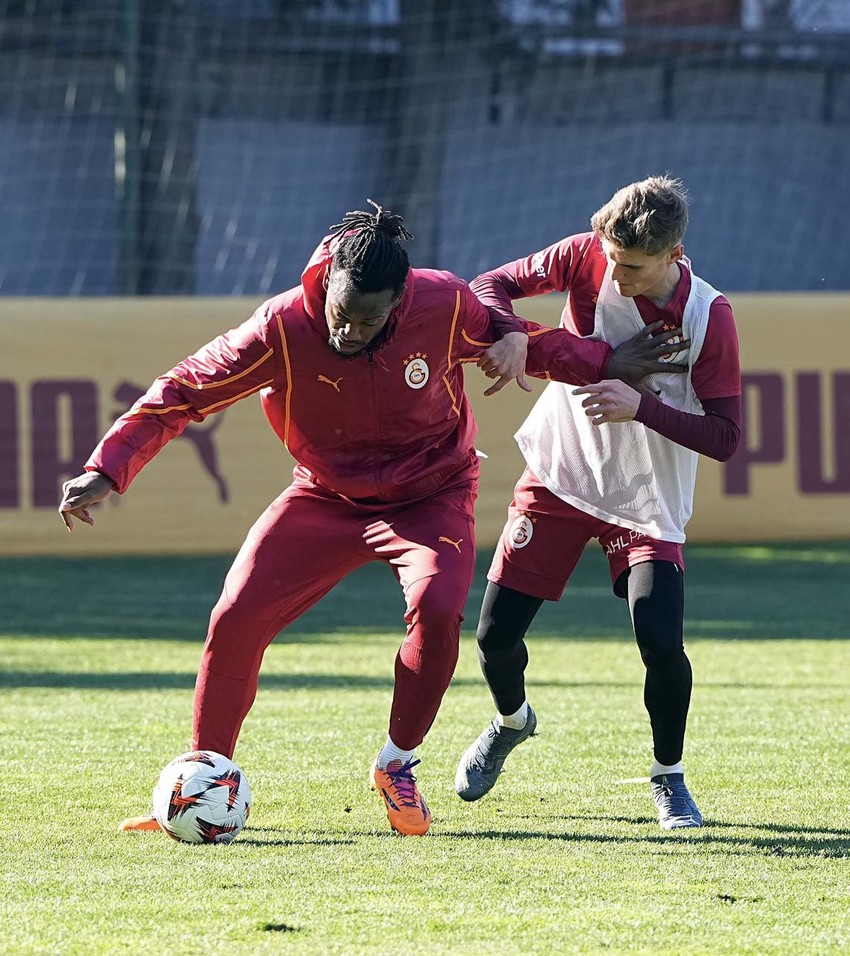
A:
(505, 617)
(656, 595)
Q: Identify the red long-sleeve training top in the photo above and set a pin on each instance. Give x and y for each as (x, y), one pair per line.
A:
(389, 424)
(577, 265)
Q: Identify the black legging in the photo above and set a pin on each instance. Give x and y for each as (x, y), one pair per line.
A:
(656, 596)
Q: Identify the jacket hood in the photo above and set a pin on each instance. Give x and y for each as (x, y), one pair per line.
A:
(314, 285)
(314, 277)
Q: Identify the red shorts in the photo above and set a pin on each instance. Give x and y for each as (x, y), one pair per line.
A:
(544, 537)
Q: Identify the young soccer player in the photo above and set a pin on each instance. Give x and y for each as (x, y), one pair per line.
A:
(360, 373)
(612, 462)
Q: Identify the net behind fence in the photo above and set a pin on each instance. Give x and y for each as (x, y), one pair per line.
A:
(204, 146)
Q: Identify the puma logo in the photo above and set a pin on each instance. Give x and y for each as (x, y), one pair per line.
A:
(327, 381)
(455, 544)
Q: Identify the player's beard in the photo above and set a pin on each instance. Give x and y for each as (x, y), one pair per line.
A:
(371, 346)
(346, 353)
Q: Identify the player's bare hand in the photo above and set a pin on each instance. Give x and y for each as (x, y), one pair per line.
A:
(79, 494)
(647, 352)
(609, 401)
(505, 361)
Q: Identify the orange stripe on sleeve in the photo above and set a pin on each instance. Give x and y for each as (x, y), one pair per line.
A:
(452, 330)
(288, 399)
(225, 381)
(484, 345)
(156, 411)
(234, 398)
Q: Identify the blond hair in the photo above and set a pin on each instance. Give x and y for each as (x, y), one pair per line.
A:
(651, 215)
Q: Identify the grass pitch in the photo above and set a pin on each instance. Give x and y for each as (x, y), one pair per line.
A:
(564, 856)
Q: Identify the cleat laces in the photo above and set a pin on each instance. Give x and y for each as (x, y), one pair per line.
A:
(674, 801)
(496, 745)
(677, 803)
(404, 782)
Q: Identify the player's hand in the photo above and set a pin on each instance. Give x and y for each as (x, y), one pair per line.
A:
(505, 360)
(644, 353)
(609, 401)
(79, 494)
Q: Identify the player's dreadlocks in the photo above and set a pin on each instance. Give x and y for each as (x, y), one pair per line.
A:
(372, 256)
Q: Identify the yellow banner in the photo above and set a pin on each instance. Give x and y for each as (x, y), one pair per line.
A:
(69, 367)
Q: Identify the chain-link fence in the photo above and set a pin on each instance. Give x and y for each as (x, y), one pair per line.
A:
(203, 146)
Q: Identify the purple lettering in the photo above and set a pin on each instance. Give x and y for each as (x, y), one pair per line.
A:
(812, 430)
(763, 440)
(10, 487)
(65, 429)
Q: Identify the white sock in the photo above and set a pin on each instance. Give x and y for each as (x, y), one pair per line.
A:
(390, 752)
(515, 721)
(658, 769)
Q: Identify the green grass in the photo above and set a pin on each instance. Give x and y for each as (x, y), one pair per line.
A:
(565, 856)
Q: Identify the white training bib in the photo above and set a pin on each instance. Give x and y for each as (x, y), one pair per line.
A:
(622, 472)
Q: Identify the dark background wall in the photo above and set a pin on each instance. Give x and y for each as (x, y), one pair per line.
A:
(203, 148)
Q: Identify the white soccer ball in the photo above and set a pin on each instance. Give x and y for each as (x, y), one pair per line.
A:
(202, 797)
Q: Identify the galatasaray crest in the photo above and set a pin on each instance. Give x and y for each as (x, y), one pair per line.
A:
(674, 340)
(416, 370)
(521, 531)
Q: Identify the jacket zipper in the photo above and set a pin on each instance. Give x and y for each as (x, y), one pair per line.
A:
(376, 461)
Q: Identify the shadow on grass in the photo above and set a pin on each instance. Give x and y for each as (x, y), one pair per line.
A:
(781, 841)
(720, 825)
(166, 680)
(770, 839)
(754, 592)
(176, 680)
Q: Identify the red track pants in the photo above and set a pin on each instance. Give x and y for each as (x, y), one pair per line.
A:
(302, 546)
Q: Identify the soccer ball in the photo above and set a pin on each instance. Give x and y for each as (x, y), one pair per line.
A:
(202, 797)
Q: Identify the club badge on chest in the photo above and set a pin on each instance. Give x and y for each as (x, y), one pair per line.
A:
(416, 371)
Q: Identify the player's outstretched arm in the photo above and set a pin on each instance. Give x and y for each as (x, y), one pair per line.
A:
(504, 359)
(561, 356)
(79, 494)
(233, 366)
(548, 270)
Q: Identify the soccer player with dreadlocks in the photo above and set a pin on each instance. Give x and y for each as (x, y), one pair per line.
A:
(359, 369)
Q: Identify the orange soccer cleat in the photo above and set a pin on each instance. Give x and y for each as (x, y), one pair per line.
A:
(145, 822)
(406, 810)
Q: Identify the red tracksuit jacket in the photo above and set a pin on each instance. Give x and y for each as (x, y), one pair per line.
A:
(387, 425)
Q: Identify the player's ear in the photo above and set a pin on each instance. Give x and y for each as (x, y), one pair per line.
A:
(677, 252)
